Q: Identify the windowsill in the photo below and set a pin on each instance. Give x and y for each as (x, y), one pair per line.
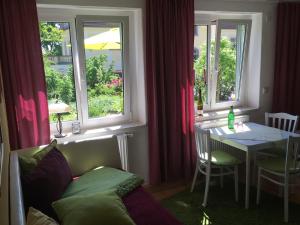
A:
(219, 117)
(98, 133)
(219, 114)
(209, 118)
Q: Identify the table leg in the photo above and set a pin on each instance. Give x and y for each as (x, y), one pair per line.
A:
(247, 180)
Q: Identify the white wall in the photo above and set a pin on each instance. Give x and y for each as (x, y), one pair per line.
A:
(253, 66)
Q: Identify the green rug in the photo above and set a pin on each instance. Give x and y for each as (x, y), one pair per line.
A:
(223, 210)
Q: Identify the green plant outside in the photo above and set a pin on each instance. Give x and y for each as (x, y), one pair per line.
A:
(227, 66)
(104, 105)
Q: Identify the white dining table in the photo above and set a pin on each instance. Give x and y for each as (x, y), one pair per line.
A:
(250, 137)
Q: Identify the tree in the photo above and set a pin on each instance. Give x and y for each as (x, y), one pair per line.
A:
(96, 71)
(51, 38)
(101, 78)
(227, 64)
(226, 78)
(59, 86)
(199, 66)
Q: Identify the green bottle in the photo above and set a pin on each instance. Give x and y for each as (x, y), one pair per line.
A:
(200, 103)
(231, 118)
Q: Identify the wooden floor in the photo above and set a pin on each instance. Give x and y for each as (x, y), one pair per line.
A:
(167, 190)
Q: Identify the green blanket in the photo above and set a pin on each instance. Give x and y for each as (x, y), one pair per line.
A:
(103, 179)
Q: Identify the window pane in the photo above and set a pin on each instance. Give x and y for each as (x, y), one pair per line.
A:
(230, 62)
(104, 68)
(58, 66)
(200, 62)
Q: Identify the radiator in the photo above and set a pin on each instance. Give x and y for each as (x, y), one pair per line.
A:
(123, 149)
(216, 145)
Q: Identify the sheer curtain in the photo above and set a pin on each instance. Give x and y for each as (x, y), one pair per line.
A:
(23, 74)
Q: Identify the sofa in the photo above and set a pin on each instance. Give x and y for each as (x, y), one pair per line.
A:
(83, 157)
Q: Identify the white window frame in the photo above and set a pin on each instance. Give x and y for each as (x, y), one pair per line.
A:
(79, 75)
(111, 119)
(212, 76)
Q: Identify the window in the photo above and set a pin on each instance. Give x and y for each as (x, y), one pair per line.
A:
(93, 79)
(103, 68)
(222, 46)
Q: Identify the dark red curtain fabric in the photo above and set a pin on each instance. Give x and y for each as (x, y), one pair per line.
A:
(287, 60)
(169, 70)
(23, 74)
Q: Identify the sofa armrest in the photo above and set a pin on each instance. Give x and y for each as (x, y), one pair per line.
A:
(17, 213)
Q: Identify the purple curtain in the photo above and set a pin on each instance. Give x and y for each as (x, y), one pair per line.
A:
(170, 80)
(23, 74)
(287, 59)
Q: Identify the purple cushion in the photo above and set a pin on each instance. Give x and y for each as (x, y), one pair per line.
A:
(47, 182)
(145, 210)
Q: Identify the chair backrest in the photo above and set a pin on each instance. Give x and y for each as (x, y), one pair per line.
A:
(282, 121)
(292, 163)
(203, 144)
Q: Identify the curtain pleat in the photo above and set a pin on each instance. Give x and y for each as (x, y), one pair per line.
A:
(23, 74)
(286, 93)
(170, 81)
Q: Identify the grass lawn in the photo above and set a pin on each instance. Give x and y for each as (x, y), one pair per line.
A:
(99, 106)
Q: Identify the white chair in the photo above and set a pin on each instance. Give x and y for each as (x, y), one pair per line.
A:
(207, 160)
(282, 121)
(283, 168)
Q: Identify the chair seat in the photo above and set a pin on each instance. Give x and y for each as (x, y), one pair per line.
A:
(276, 165)
(277, 151)
(222, 158)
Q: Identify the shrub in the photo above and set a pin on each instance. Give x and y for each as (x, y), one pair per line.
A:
(97, 71)
(59, 86)
(227, 63)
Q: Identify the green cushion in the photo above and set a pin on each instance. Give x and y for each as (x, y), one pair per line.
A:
(28, 163)
(40, 154)
(276, 165)
(103, 179)
(95, 209)
(222, 158)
